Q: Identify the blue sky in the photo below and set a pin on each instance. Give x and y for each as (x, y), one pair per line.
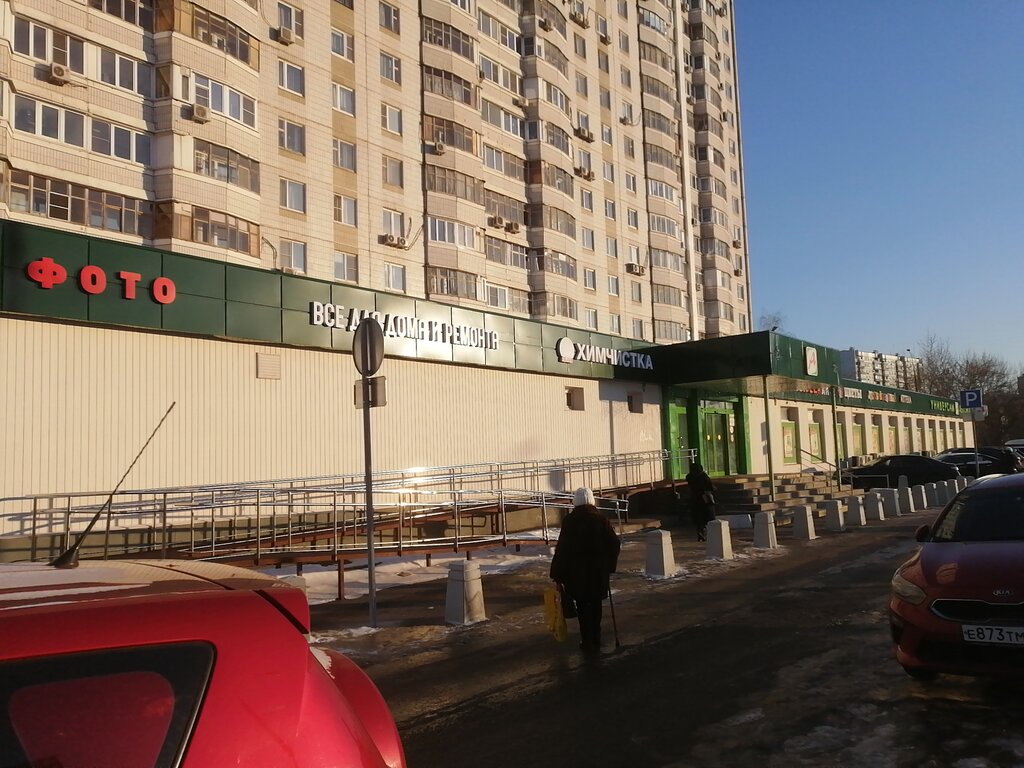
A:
(884, 158)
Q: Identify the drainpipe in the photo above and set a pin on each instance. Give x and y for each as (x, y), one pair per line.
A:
(835, 425)
(768, 437)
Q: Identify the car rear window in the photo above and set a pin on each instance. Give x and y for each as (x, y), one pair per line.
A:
(989, 515)
(130, 708)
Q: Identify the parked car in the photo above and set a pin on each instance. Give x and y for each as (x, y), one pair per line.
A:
(986, 465)
(1003, 460)
(957, 605)
(168, 663)
(885, 472)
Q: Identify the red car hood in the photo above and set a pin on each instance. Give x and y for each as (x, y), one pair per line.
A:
(973, 567)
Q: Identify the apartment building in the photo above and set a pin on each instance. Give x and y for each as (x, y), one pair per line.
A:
(563, 162)
(901, 371)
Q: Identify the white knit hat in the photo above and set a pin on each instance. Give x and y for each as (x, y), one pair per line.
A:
(584, 496)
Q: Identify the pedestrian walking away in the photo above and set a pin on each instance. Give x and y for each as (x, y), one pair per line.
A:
(702, 499)
(586, 554)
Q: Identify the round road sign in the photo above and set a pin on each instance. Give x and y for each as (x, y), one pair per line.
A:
(368, 346)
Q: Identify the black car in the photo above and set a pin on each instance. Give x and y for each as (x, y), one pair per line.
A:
(885, 472)
(1000, 460)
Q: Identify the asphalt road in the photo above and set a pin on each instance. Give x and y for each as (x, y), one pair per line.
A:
(769, 660)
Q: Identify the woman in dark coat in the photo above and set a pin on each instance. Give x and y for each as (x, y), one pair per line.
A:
(702, 499)
(586, 553)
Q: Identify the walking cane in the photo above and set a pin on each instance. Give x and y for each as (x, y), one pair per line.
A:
(615, 624)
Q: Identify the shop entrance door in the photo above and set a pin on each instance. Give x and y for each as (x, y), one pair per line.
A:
(718, 453)
(678, 440)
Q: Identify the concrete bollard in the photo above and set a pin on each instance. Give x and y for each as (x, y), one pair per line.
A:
(945, 491)
(661, 561)
(834, 519)
(873, 511)
(920, 498)
(719, 544)
(855, 511)
(931, 492)
(803, 523)
(902, 482)
(954, 488)
(906, 502)
(464, 601)
(764, 531)
(961, 483)
(295, 581)
(890, 502)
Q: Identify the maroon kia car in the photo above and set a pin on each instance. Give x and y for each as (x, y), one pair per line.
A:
(957, 605)
(164, 664)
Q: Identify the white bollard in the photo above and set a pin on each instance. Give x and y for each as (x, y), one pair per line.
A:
(719, 544)
(803, 523)
(920, 497)
(661, 561)
(764, 531)
(464, 601)
(890, 502)
(295, 581)
(954, 488)
(873, 507)
(855, 511)
(961, 483)
(931, 492)
(834, 520)
(906, 502)
(902, 482)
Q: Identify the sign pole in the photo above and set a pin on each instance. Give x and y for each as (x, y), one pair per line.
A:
(974, 431)
(368, 461)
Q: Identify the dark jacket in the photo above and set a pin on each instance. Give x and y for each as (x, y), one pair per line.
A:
(586, 553)
(699, 483)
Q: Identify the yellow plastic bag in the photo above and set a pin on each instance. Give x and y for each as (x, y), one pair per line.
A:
(553, 616)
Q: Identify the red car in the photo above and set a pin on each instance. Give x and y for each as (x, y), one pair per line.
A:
(167, 663)
(957, 606)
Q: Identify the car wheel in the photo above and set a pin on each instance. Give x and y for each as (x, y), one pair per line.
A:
(923, 675)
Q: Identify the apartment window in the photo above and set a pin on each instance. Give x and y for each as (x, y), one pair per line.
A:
(609, 209)
(343, 44)
(587, 238)
(389, 18)
(394, 277)
(345, 210)
(608, 171)
(631, 182)
(221, 230)
(224, 100)
(623, 8)
(579, 44)
(390, 68)
(626, 76)
(56, 199)
(615, 323)
(590, 279)
(638, 328)
(636, 291)
(605, 97)
(602, 61)
(291, 136)
(133, 12)
(125, 72)
(624, 42)
(606, 133)
(391, 118)
(45, 44)
(344, 155)
(587, 199)
(343, 98)
(590, 318)
(452, 282)
(391, 171)
(392, 222)
(293, 254)
(582, 85)
(574, 399)
(290, 17)
(613, 285)
(496, 295)
(225, 164)
(219, 33)
(293, 195)
(611, 247)
(70, 127)
(629, 147)
(291, 77)
(453, 232)
(346, 267)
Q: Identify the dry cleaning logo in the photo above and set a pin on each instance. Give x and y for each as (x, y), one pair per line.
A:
(569, 351)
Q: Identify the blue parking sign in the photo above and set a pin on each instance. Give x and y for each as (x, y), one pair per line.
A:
(970, 398)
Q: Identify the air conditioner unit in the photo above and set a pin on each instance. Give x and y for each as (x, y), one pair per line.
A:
(689, 99)
(718, 55)
(402, 242)
(520, 102)
(59, 74)
(694, 222)
(543, 23)
(439, 148)
(579, 170)
(285, 35)
(291, 271)
(578, 17)
(737, 271)
(589, 176)
(588, 135)
(625, 120)
(481, 74)
(736, 243)
(389, 239)
(687, 68)
(722, 11)
(512, 226)
(635, 269)
(605, 38)
(200, 113)
(698, 287)
(496, 221)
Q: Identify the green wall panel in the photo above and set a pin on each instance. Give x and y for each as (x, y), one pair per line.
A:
(529, 332)
(114, 257)
(252, 321)
(529, 358)
(252, 286)
(111, 307)
(297, 293)
(297, 330)
(395, 305)
(195, 314)
(199, 277)
(25, 244)
(22, 295)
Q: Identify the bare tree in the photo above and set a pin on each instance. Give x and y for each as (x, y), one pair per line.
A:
(772, 321)
(939, 367)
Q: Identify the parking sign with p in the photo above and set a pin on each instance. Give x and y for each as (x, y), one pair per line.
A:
(970, 398)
